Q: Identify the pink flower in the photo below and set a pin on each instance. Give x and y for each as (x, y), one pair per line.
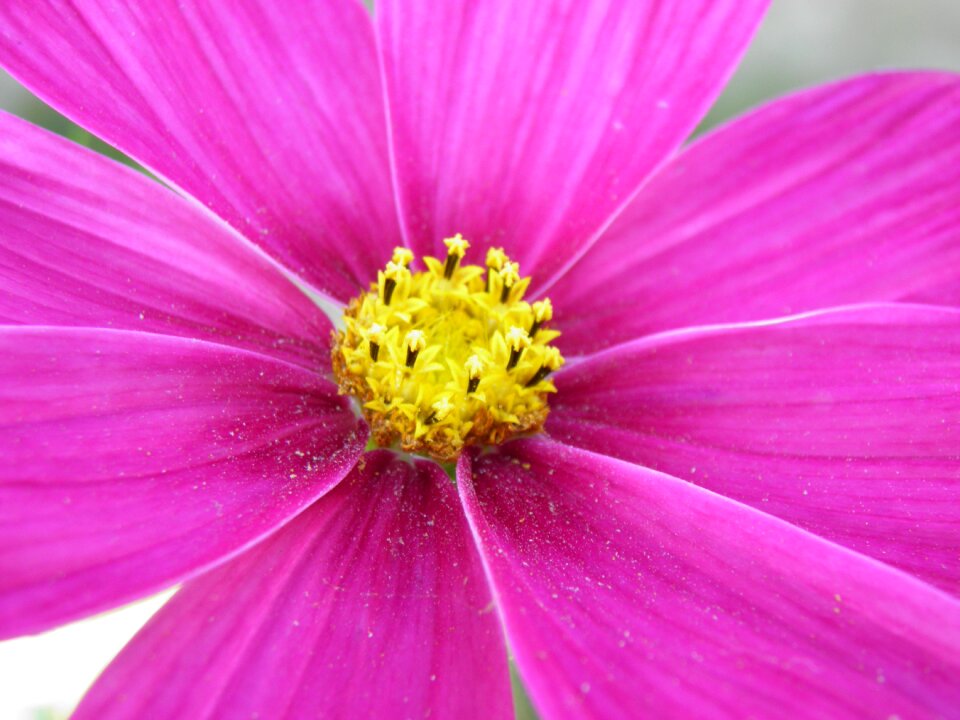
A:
(747, 499)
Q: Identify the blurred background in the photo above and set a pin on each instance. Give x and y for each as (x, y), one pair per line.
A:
(802, 42)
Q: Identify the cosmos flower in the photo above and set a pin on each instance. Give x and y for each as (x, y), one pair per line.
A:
(745, 499)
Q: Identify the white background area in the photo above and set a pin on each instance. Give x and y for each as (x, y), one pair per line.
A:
(42, 677)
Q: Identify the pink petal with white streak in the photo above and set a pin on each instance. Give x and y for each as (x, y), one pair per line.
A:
(530, 124)
(87, 242)
(269, 114)
(133, 461)
(842, 194)
(628, 593)
(846, 423)
(370, 604)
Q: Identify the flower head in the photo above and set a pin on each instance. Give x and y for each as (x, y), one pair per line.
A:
(463, 363)
(743, 500)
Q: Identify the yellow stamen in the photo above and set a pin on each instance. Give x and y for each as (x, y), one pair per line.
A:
(474, 366)
(542, 312)
(393, 274)
(439, 411)
(496, 257)
(415, 342)
(509, 275)
(441, 361)
(551, 361)
(395, 270)
(552, 358)
(374, 338)
(402, 256)
(517, 340)
(457, 245)
(456, 249)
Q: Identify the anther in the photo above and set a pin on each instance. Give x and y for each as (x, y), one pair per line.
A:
(542, 312)
(415, 342)
(517, 340)
(391, 274)
(551, 361)
(456, 248)
(539, 375)
(510, 274)
(374, 337)
(474, 367)
(389, 285)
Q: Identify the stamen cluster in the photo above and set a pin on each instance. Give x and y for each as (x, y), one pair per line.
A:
(450, 356)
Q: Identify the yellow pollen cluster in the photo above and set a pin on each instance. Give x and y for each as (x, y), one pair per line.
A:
(450, 356)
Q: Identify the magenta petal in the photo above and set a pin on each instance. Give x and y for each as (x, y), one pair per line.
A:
(88, 242)
(627, 593)
(270, 114)
(131, 461)
(530, 124)
(370, 604)
(846, 423)
(842, 194)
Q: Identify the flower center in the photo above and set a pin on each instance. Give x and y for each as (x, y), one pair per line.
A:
(448, 357)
